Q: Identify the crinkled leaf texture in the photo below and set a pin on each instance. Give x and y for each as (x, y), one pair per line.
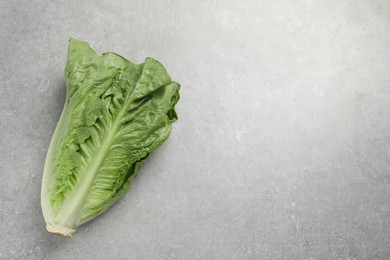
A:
(115, 114)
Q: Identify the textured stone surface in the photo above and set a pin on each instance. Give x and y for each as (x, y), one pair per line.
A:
(282, 149)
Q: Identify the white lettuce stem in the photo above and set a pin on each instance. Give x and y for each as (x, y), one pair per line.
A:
(60, 230)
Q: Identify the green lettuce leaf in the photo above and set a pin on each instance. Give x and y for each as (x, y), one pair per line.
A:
(115, 114)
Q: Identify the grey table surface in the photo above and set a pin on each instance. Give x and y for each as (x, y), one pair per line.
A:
(282, 149)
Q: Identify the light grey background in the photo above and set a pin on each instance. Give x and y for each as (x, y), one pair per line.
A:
(282, 149)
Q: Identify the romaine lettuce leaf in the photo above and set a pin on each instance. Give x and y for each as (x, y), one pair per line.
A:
(115, 114)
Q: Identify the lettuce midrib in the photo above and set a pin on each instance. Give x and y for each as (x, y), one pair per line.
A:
(71, 208)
